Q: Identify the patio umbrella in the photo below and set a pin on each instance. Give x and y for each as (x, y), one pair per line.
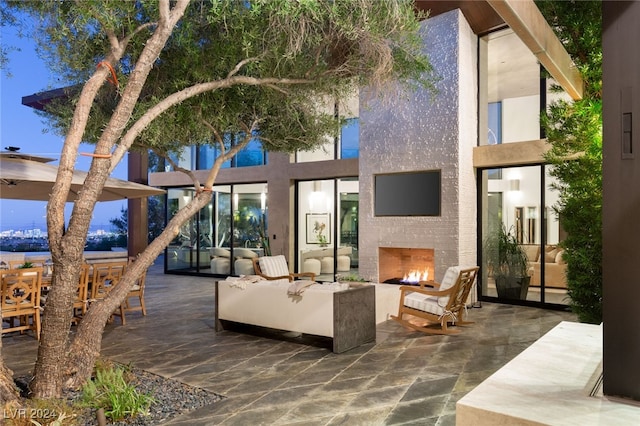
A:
(25, 177)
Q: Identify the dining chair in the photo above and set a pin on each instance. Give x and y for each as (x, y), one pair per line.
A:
(16, 264)
(20, 292)
(82, 294)
(136, 291)
(104, 278)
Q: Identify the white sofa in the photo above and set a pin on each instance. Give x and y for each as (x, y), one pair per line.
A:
(346, 316)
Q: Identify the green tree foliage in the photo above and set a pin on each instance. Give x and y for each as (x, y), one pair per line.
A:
(574, 130)
(162, 75)
(309, 47)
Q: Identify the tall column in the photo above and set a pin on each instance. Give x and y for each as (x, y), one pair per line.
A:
(416, 131)
(621, 200)
(138, 208)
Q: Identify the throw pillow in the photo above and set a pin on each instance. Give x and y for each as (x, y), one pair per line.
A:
(550, 256)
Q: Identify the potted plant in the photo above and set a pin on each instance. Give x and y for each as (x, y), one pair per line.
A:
(508, 264)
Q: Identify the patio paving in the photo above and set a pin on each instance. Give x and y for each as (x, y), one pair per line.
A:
(404, 378)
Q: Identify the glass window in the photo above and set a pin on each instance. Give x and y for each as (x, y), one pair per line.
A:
(249, 216)
(347, 144)
(513, 89)
(348, 227)
(515, 225)
(206, 156)
(251, 155)
(185, 159)
(327, 224)
(321, 153)
(189, 251)
(350, 139)
(210, 242)
(495, 132)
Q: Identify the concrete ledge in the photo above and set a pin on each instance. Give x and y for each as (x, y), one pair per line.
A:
(548, 383)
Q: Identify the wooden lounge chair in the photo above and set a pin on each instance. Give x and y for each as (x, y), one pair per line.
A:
(440, 306)
(276, 268)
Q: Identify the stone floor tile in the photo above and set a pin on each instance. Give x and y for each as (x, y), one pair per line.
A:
(404, 378)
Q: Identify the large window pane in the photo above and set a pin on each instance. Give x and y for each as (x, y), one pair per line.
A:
(555, 266)
(249, 216)
(251, 155)
(512, 90)
(348, 211)
(513, 203)
(225, 235)
(190, 249)
(350, 139)
(516, 204)
(328, 245)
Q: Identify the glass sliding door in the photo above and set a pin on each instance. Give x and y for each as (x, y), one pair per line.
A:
(220, 254)
(316, 228)
(519, 221)
(555, 268)
(223, 237)
(348, 210)
(249, 216)
(327, 223)
(189, 251)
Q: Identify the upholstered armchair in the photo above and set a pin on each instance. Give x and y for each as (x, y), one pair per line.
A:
(220, 260)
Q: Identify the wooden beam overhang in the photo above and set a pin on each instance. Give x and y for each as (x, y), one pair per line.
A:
(525, 19)
(508, 154)
(481, 17)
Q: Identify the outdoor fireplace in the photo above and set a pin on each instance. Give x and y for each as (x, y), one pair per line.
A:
(405, 265)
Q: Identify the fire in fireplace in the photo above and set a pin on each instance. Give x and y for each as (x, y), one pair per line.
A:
(414, 277)
(405, 265)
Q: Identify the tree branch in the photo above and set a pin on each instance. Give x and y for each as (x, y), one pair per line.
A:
(178, 168)
(175, 98)
(216, 135)
(240, 64)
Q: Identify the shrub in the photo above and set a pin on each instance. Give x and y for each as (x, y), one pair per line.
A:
(110, 389)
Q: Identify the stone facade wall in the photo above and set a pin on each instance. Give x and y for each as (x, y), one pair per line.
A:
(414, 132)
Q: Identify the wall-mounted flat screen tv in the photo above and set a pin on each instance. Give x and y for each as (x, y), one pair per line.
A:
(408, 194)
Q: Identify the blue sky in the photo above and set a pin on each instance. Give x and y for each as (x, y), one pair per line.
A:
(21, 127)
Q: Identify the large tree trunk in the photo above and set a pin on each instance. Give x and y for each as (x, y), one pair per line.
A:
(85, 347)
(67, 243)
(56, 323)
(9, 395)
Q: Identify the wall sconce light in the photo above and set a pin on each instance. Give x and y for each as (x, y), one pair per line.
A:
(514, 185)
(316, 196)
(235, 202)
(263, 201)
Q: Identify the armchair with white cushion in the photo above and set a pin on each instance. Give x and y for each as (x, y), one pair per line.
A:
(276, 268)
(432, 310)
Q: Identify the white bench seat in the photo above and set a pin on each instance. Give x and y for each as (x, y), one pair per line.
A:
(346, 316)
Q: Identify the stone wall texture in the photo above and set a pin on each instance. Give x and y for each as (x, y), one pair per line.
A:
(415, 131)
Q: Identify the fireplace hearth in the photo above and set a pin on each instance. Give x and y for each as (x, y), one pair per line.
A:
(404, 265)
